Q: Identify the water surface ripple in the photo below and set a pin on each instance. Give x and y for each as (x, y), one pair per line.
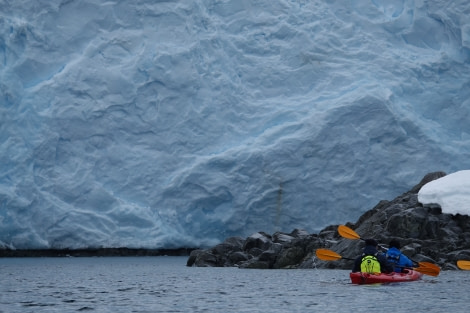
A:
(165, 284)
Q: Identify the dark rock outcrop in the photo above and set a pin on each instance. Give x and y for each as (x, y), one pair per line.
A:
(260, 250)
(425, 233)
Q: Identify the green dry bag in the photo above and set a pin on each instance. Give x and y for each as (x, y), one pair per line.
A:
(370, 264)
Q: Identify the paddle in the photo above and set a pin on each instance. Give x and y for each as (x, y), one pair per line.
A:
(463, 265)
(329, 255)
(348, 233)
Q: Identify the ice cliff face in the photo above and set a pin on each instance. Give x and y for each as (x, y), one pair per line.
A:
(167, 124)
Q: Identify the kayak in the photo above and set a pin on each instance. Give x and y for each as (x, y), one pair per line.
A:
(380, 278)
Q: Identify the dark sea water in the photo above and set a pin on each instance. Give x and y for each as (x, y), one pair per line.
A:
(165, 284)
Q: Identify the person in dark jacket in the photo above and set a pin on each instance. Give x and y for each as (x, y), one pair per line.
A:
(396, 257)
(372, 260)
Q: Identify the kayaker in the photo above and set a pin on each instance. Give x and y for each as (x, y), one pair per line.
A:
(396, 257)
(372, 260)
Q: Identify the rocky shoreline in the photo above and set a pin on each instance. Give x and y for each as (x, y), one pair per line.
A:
(425, 233)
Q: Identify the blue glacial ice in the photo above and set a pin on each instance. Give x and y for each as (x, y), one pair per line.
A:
(166, 124)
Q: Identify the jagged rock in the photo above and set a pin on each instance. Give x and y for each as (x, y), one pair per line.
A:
(237, 257)
(255, 252)
(425, 233)
(290, 257)
(282, 238)
(426, 179)
(230, 245)
(258, 240)
(202, 258)
(255, 263)
(227, 253)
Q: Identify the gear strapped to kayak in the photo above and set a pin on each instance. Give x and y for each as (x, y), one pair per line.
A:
(370, 264)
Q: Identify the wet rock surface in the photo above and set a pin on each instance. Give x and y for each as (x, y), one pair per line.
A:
(425, 234)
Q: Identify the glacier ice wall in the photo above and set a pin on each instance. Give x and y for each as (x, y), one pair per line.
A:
(165, 124)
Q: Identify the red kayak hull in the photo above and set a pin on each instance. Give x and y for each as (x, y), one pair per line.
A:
(381, 278)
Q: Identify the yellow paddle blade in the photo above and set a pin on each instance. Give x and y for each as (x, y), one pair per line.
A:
(327, 255)
(429, 265)
(346, 232)
(428, 271)
(463, 264)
